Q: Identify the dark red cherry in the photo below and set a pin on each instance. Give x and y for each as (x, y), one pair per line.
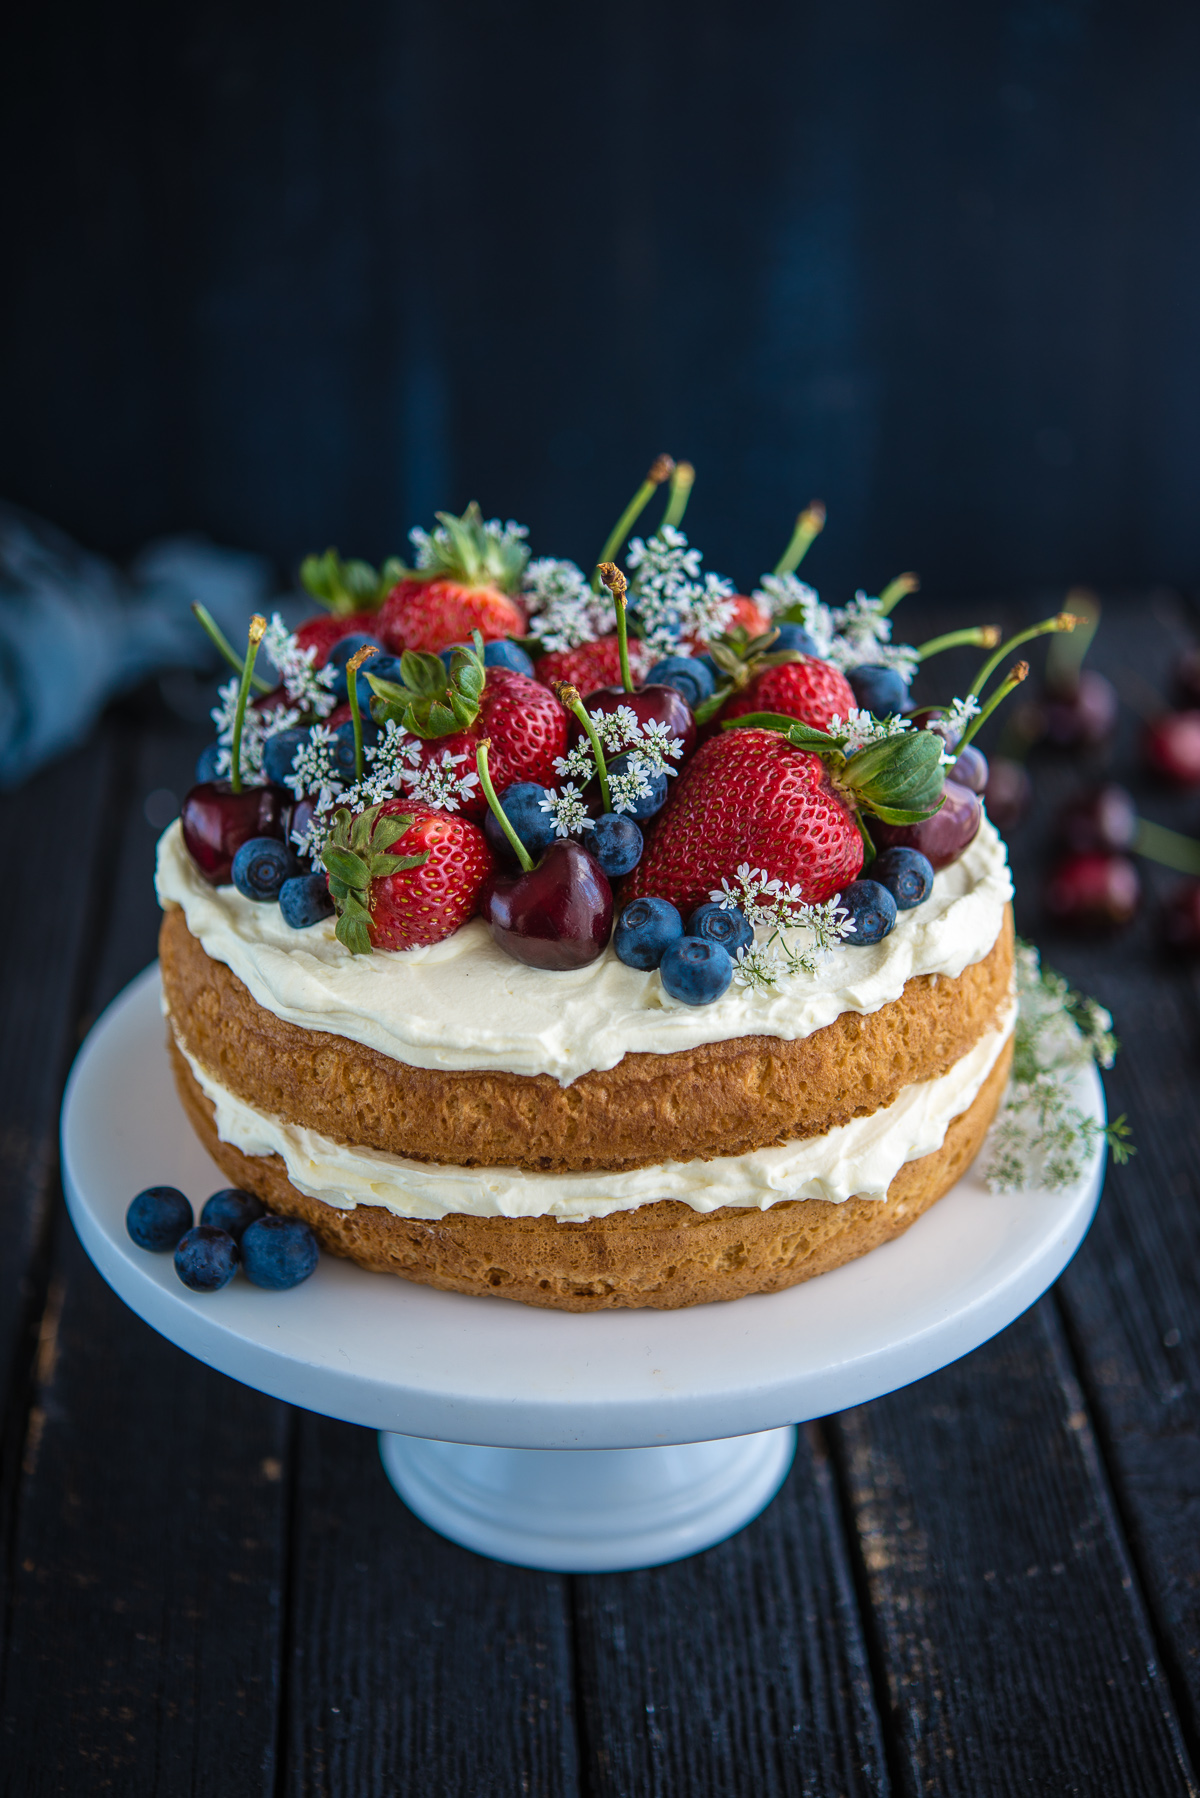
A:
(1094, 890)
(302, 814)
(1180, 920)
(944, 836)
(970, 769)
(1104, 819)
(1082, 715)
(1171, 746)
(652, 704)
(217, 821)
(1009, 790)
(557, 916)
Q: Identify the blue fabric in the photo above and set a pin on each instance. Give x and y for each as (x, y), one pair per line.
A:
(75, 629)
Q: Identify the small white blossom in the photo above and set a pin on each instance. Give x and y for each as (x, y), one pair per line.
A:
(578, 764)
(864, 638)
(794, 937)
(567, 809)
(629, 784)
(616, 730)
(673, 602)
(563, 610)
(254, 734)
(439, 783)
(315, 769)
(780, 592)
(859, 729)
(396, 750)
(307, 687)
(649, 749)
(760, 966)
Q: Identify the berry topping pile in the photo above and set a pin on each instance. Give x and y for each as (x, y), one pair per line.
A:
(479, 734)
(235, 1230)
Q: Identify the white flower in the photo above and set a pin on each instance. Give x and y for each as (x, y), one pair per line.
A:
(439, 783)
(672, 601)
(798, 936)
(649, 748)
(780, 592)
(563, 610)
(567, 809)
(315, 770)
(307, 687)
(859, 729)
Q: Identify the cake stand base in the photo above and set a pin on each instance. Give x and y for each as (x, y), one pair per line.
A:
(588, 1510)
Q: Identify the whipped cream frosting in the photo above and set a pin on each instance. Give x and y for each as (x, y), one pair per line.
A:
(859, 1159)
(465, 1004)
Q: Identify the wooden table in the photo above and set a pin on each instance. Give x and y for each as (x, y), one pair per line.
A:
(987, 1583)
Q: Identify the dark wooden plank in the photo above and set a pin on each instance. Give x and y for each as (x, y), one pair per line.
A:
(740, 1670)
(1007, 1623)
(415, 1665)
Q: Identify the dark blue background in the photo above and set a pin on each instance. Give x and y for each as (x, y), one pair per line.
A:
(297, 274)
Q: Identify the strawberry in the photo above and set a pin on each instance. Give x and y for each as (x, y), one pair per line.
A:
(808, 689)
(323, 631)
(749, 796)
(471, 574)
(592, 665)
(402, 875)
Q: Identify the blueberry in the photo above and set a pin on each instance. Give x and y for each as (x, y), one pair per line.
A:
(657, 796)
(616, 842)
(231, 1210)
(343, 746)
(695, 971)
(720, 924)
(507, 654)
(280, 751)
(879, 691)
(206, 1258)
(644, 931)
(278, 1252)
(873, 910)
(385, 668)
(520, 805)
(907, 875)
(206, 763)
(261, 866)
(340, 654)
(689, 675)
(304, 900)
(158, 1217)
(714, 671)
(794, 636)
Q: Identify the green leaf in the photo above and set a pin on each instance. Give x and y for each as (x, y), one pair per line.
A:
(353, 933)
(423, 674)
(348, 867)
(383, 866)
(389, 831)
(888, 814)
(802, 735)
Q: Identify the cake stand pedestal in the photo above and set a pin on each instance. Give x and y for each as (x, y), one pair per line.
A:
(579, 1443)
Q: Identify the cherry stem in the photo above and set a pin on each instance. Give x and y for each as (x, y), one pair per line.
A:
(661, 469)
(1170, 848)
(895, 591)
(220, 641)
(498, 812)
(258, 625)
(569, 696)
(1012, 679)
(682, 481)
(809, 526)
(352, 667)
(1061, 621)
(617, 585)
(979, 636)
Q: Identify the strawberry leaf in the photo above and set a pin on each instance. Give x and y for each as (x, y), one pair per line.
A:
(347, 867)
(432, 701)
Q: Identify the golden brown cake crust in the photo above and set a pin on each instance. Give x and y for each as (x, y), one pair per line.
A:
(662, 1255)
(724, 1098)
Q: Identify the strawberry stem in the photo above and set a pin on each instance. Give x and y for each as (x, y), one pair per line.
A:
(1170, 848)
(617, 585)
(682, 481)
(661, 469)
(809, 526)
(978, 636)
(1012, 679)
(498, 812)
(895, 591)
(220, 641)
(352, 667)
(258, 625)
(1061, 621)
(569, 696)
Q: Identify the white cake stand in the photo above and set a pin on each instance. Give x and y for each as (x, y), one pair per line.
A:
(576, 1443)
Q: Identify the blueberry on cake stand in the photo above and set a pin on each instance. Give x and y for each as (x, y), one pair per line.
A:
(579, 1443)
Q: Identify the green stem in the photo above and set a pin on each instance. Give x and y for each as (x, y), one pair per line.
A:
(1012, 679)
(569, 696)
(220, 641)
(660, 471)
(978, 636)
(617, 585)
(257, 626)
(498, 812)
(682, 482)
(1170, 848)
(809, 526)
(1062, 621)
(895, 591)
(352, 667)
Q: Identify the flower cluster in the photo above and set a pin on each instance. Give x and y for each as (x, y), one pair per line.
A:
(672, 601)
(308, 688)
(647, 749)
(1041, 1138)
(863, 635)
(781, 593)
(860, 729)
(799, 936)
(563, 610)
(392, 765)
(308, 696)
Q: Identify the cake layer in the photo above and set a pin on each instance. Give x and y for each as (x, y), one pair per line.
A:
(860, 1159)
(464, 1004)
(717, 1099)
(663, 1255)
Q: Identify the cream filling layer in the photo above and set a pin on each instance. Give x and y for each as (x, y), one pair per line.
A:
(464, 1003)
(859, 1159)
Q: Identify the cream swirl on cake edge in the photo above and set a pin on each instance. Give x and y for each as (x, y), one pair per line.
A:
(464, 1004)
